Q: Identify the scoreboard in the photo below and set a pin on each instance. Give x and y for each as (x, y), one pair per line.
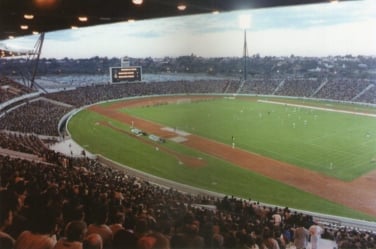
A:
(125, 74)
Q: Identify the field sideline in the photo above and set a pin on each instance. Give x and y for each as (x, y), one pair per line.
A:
(319, 108)
(181, 120)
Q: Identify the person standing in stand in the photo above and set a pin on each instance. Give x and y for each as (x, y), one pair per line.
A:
(301, 236)
(315, 231)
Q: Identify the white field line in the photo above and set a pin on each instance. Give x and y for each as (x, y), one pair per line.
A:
(319, 108)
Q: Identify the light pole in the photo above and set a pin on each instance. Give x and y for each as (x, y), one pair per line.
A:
(245, 23)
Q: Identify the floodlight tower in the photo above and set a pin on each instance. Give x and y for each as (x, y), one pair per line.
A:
(38, 50)
(245, 23)
(28, 73)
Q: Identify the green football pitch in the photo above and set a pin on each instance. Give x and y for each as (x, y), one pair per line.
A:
(337, 144)
(341, 145)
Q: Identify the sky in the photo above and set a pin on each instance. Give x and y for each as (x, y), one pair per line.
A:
(327, 29)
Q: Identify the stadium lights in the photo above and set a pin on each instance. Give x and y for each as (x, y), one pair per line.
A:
(83, 18)
(24, 27)
(244, 21)
(35, 33)
(182, 7)
(74, 27)
(215, 12)
(29, 16)
(137, 2)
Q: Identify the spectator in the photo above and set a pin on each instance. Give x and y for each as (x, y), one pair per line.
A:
(301, 237)
(118, 223)
(6, 217)
(315, 232)
(93, 241)
(269, 241)
(74, 232)
(217, 238)
(100, 227)
(124, 239)
(43, 221)
(153, 241)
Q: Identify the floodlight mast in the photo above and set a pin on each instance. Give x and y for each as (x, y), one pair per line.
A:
(38, 50)
(28, 74)
(245, 55)
(244, 23)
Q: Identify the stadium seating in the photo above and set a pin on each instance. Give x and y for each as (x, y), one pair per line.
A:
(49, 191)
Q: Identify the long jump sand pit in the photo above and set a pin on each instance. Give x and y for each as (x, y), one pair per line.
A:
(358, 194)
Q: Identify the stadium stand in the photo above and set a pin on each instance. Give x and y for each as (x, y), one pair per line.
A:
(262, 86)
(10, 89)
(342, 89)
(370, 95)
(42, 196)
(38, 116)
(299, 87)
(91, 94)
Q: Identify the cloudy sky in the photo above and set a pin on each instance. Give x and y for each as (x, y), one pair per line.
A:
(306, 30)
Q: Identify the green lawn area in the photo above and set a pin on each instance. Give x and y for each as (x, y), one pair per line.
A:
(218, 175)
(336, 144)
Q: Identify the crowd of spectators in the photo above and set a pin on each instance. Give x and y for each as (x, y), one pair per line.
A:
(65, 202)
(343, 89)
(20, 142)
(370, 95)
(10, 89)
(39, 117)
(263, 86)
(336, 89)
(91, 94)
(299, 87)
(232, 87)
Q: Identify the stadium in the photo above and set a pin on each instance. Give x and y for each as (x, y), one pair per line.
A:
(211, 162)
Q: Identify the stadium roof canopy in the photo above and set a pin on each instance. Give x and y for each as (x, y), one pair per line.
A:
(25, 17)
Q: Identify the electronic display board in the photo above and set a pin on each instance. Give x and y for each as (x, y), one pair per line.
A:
(125, 74)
